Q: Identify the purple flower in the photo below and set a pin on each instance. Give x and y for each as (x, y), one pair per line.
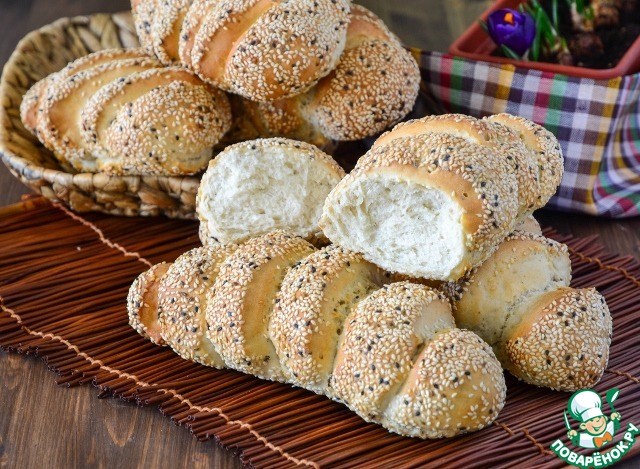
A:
(511, 28)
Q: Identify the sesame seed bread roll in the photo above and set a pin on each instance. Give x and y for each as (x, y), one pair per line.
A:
(484, 299)
(31, 104)
(374, 85)
(499, 139)
(60, 122)
(456, 386)
(431, 205)
(142, 303)
(563, 342)
(240, 303)
(403, 363)
(184, 298)
(265, 50)
(310, 310)
(259, 186)
(160, 121)
(518, 301)
(330, 322)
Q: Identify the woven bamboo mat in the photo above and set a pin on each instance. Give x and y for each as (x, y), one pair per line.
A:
(63, 284)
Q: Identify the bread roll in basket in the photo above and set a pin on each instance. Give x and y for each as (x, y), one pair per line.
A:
(48, 50)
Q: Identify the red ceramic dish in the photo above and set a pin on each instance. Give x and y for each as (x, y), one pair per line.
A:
(475, 44)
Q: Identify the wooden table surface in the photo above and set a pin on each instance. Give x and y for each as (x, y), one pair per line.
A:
(43, 425)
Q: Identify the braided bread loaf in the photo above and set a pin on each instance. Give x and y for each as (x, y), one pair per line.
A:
(260, 49)
(435, 196)
(542, 331)
(121, 112)
(328, 321)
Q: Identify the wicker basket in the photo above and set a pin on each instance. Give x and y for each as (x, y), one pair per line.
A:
(45, 51)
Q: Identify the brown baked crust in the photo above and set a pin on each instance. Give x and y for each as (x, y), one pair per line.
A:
(142, 303)
(158, 121)
(266, 50)
(241, 300)
(144, 12)
(563, 343)
(545, 148)
(59, 121)
(456, 386)
(374, 85)
(371, 365)
(310, 309)
(168, 19)
(524, 264)
(502, 140)
(32, 105)
(196, 13)
(184, 287)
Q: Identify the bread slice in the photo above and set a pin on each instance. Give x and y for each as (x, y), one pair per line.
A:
(259, 186)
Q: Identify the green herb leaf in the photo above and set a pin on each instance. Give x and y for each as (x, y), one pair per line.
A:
(509, 53)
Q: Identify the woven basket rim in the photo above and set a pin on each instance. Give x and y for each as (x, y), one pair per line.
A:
(25, 168)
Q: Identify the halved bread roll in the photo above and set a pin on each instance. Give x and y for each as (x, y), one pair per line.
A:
(435, 196)
(258, 186)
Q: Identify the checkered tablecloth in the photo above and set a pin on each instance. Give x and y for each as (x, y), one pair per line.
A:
(596, 121)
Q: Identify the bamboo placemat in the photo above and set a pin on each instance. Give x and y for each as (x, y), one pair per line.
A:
(63, 284)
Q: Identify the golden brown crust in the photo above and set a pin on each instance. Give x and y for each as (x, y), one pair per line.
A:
(59, 121)
(196, 13)
(382, 335)
(33, 100)
(183, 300)
(144, 18)
(504, 142)
(267, 50)
(374, 85)
(168, 19)
(240, 302)
(142, 303)
(456, 386)
(170, 130)
(487, 298)
(564, 341)
(315, 297)
(545, 149)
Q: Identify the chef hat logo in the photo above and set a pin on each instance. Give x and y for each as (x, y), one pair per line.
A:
(585, 405)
